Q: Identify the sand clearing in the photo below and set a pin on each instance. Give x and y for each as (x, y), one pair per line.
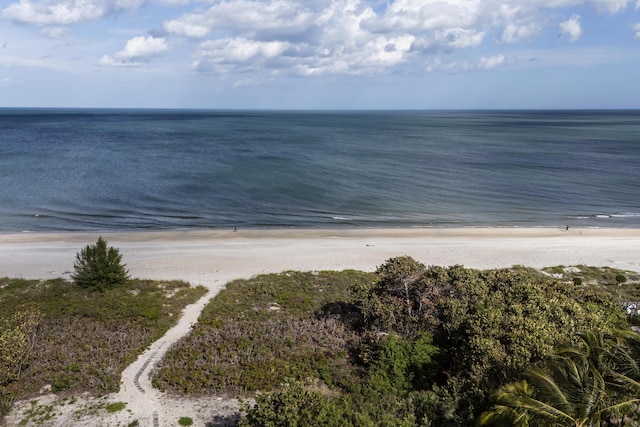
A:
(212, 258)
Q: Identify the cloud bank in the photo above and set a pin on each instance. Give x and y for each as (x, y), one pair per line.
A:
(271, 38)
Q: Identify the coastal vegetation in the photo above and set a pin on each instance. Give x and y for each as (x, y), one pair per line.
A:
(60, 337)
(99, 267)
(408, 345)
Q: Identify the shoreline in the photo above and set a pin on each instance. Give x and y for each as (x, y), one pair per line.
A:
(203, 256)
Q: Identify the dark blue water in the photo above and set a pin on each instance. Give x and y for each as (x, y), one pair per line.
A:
(160, 169)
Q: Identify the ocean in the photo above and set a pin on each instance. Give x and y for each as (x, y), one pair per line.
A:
(120, 170)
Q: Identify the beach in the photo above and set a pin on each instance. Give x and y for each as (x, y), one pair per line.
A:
(214, 257)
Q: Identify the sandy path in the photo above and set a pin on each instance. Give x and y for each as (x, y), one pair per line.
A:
(212, 258)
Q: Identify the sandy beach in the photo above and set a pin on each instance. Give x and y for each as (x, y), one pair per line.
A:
(204, 256)
(213, 257)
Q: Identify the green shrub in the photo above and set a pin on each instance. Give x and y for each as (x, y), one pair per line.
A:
(99, 267)
(115, 406)
(620, 279)
(185, 421)
(293, 405)
(577, 281)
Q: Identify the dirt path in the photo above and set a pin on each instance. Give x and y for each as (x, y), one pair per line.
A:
(135, 386)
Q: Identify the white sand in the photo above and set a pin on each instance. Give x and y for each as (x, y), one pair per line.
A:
(212, 258)
(206, 257)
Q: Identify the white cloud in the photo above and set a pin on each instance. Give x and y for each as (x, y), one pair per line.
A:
(458, 38)
(108, 61)
(240, 50)
(64, 12)
(513, 33)
(489, 62)
(636, 28)
(137, 50)
(428, 15)
(359, 36)
(610, 6)
(172, 2)
(571, 28)
(275, 19)
(255, 40)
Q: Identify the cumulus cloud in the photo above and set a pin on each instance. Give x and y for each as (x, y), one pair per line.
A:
(571, 28)
(361, 36)
(421, 15)
(458, 38)
(64, 12)
(267, 38)
(136, 51)
(276, 19)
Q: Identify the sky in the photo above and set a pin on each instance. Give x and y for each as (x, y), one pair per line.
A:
(320, 54)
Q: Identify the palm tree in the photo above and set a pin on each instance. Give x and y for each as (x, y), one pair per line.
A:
(579, 386)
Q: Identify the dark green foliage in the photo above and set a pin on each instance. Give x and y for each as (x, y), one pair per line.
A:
(595, 383)
(401, 365)
(577, 281)
(489, 325)
(293, 405)
(300, 403)
(99, 267)
(620, 279)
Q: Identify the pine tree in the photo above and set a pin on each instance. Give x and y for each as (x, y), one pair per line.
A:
(99, 267)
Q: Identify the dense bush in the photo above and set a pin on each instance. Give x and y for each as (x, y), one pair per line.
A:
(488, 325)
(99, 267)
(594, 383)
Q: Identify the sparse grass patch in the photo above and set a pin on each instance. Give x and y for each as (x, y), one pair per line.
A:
(624, 284)
(115, 407)
(86, 338)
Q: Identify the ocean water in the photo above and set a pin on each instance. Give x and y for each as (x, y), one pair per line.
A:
(108, 170)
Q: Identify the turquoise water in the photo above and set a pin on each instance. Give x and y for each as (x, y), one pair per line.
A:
(158, 169)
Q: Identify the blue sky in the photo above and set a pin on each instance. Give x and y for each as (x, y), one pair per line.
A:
(320, 54)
